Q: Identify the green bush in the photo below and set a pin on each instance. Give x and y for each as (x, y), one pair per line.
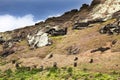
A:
(8, 72)
(70, 70)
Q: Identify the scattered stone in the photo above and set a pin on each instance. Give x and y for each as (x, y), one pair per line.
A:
(7, 52)
(6, 45)
(99, 20)
(73, 50)
(16, 39)
(111, 28)
(102, 49)
(116, 65)
(114, 42)
(83, 25)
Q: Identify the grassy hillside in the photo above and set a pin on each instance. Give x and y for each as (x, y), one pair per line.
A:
(64, 73)
(104, 66)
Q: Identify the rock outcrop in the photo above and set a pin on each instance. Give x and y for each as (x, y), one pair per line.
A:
(56, 31)
(105, 9)
(98, 9)
(39, 39)
(111, 28)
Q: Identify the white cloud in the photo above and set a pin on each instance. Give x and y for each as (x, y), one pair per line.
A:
(9, 22)
(56, 15)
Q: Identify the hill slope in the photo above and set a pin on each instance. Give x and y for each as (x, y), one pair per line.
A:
(87, 47)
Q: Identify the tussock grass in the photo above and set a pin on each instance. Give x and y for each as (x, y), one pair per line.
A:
(68, 73)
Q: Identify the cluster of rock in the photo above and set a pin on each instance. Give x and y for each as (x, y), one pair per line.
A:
(111, 28)
(83, 25)
(41, 38)
(72, 50)
(107, 29)
(35, 39)
(83, 18)
(104, 48)
(9, 46)
(56, 32)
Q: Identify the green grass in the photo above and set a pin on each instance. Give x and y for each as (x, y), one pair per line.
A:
(56, 74)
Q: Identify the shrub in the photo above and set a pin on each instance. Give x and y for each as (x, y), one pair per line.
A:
(70, 70)
(8, 72)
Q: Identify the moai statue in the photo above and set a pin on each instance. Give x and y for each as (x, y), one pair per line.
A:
(76, 58)
(75, 64)
(91, 61)
(41, 68)
(17, 65)
(55, 64)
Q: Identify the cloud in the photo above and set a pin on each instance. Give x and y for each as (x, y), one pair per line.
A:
(10, 22)
(55, 15)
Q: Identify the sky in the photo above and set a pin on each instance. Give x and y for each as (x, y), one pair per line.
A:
(20, 13)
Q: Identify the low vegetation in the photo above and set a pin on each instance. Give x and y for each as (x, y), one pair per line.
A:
(56, 74)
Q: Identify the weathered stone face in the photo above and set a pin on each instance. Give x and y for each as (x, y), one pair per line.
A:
(38, 40)
(105, 9)
(98, 9)
(42, 40)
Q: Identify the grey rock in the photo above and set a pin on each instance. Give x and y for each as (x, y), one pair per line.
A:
(39, 39)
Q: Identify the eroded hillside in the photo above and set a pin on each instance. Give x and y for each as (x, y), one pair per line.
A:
(87, 39)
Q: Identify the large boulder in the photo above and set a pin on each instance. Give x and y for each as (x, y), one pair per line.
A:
(111, 28)
(80, 26)
(86, 23)
(39, 39)
(56, 31)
